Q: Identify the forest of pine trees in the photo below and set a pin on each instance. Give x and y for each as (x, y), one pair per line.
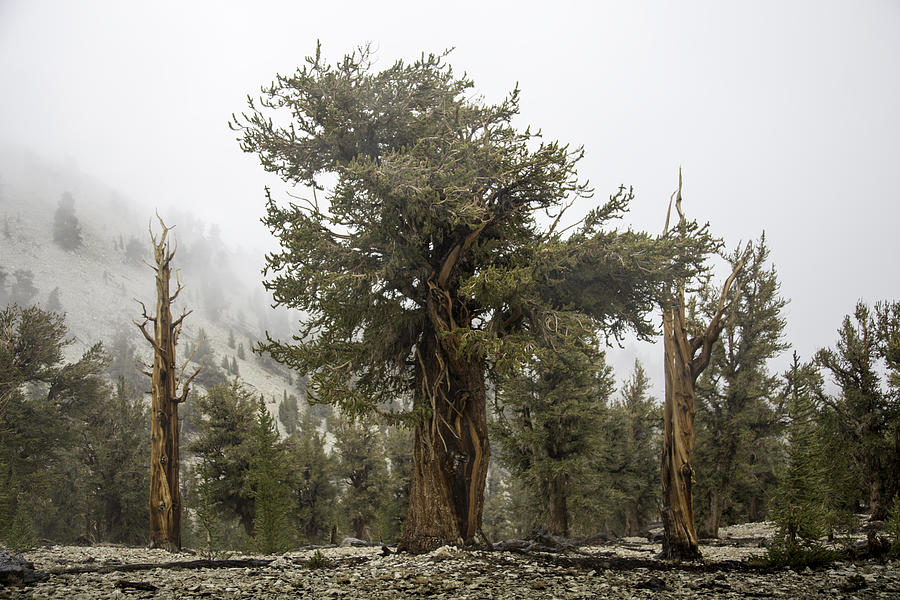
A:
(452, 370)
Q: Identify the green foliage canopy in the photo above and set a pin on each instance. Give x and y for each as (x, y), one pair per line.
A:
(431, 193)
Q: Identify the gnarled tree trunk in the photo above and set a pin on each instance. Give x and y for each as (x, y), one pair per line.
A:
(165, 497)
(680, 539)
(682, 367)
(450, 447)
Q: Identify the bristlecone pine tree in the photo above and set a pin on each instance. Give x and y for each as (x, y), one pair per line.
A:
(165, 495)
(737, 424)
(427, 259)
(799, 507)
(682, 367)
(550, 427)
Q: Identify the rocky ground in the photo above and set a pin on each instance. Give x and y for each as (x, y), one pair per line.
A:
(621, 569)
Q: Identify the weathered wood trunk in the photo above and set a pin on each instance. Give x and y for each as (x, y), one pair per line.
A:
(677, 512)
(558, 518)
(450, 447)
(165, 495)
(683, 365)
(713, 520)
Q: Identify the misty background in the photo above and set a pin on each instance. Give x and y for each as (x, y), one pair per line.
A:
(783, 115)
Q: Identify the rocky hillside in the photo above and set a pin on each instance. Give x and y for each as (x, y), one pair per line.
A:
(98, 283)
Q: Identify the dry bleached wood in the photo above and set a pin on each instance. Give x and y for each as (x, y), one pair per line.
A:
(166, 380)
(682, 368)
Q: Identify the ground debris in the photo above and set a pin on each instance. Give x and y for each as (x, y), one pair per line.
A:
(618, 570)
(15, 570)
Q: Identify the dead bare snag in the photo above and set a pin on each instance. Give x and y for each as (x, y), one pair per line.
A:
(168, 389)
(683, 365)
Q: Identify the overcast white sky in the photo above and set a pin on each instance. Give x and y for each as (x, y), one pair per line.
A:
(784, 115)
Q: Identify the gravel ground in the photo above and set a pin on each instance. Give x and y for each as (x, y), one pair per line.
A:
(625, 569)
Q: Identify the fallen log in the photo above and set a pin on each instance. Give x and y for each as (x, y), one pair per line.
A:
(235, 563)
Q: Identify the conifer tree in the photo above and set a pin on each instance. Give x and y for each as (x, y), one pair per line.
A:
(362, 470)
(799, 507)
(66, 230)
(428, 255)
(134, 251)
(863, 412)
(632, 459)
(550, 422)
(224, 429)
(289, 413)
(314, 487)
(737, 421)
(397, 444)
(271, 492)
(78, 469)
(207, 509)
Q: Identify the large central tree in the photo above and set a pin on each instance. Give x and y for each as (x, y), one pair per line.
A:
(424, 265)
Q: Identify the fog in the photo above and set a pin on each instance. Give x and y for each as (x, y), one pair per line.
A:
(783, 115)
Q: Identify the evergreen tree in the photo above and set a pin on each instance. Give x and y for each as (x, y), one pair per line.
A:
(75, 451)
(428, 255)
(737, 422)
(632, 461)
(66, 230)
(397, 443)
(224, 429)
(289, 413)
(863, 412)
(123, 359)
(115, 447)
(231, 339)
(314, 488)
(240, 352)
(269, 478)
(800, 505)
(888, 327)
(362, 470)
(550, 422)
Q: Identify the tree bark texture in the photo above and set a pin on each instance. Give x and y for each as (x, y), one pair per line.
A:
(450, 446)
(680, 540)
(713, 519)
(683, 365)
(165, 497)
(558, 518)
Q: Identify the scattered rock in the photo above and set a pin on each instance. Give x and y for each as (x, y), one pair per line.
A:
(616, 571)
(15, 570)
